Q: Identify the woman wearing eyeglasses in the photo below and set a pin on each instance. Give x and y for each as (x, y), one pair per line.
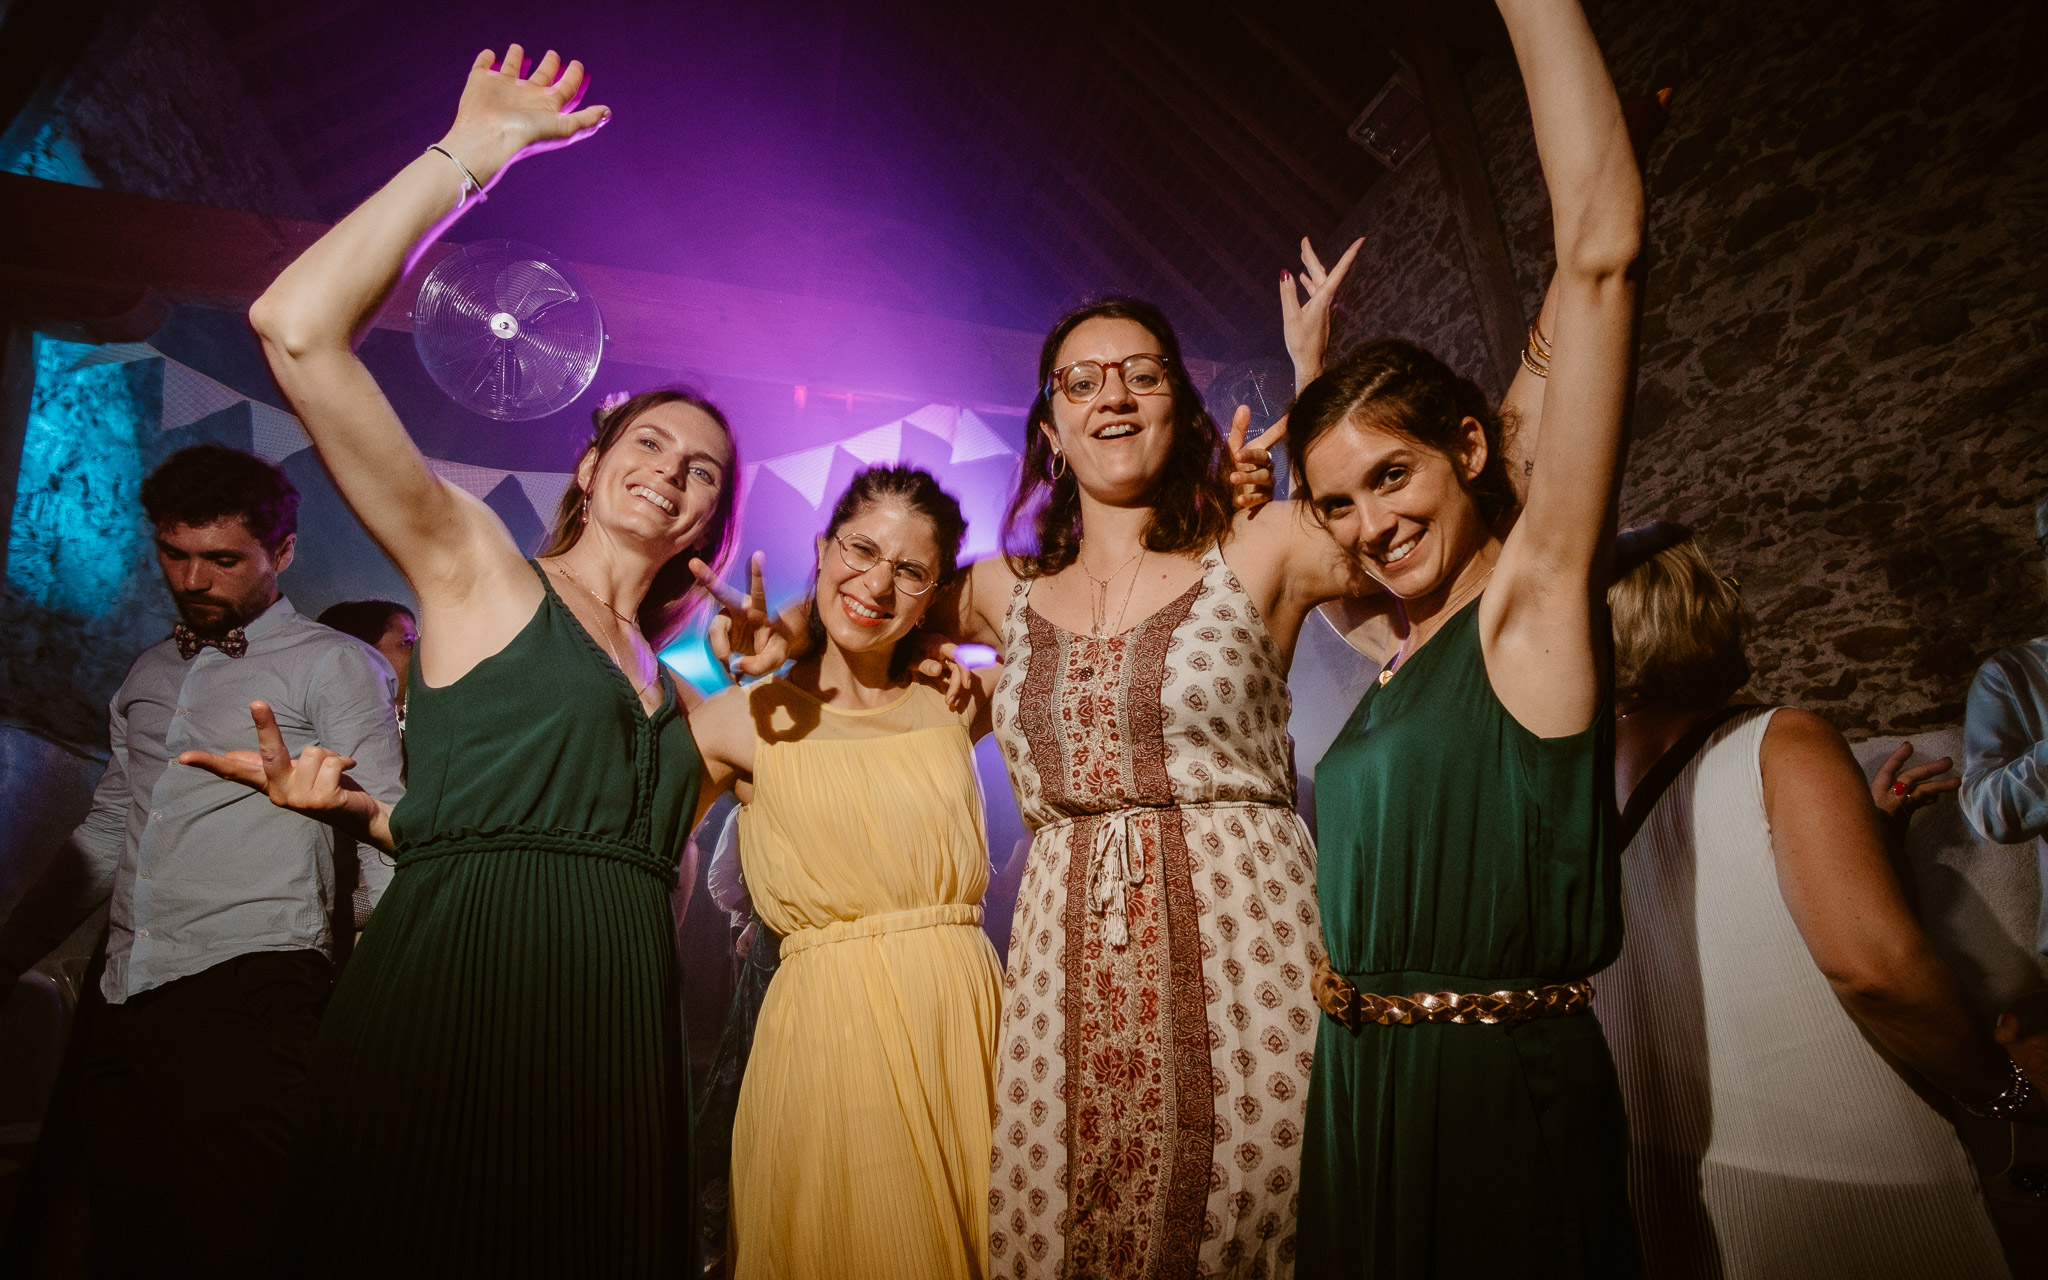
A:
(1157, 1021)
(860, 1145)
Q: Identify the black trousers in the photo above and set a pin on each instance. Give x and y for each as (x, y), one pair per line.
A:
(189, 1093)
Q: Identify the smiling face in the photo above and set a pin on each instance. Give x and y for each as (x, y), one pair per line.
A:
(867, 612)
(1118, 443)
(658, 484)
(220, 575)
(1399, 508)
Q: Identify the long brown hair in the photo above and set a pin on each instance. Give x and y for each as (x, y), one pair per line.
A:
(1190, 501)
(1396, 386)
(674, 591)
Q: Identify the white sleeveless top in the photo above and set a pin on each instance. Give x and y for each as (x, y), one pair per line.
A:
(1769, 1137)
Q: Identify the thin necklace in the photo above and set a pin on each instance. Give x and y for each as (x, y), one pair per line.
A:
(1099, 614)
(639, 690)
(1416, 637)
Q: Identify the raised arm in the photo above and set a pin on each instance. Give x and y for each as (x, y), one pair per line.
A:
(1537, 617)
(445, 542)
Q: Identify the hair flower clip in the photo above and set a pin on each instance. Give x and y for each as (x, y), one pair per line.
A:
(613, 401)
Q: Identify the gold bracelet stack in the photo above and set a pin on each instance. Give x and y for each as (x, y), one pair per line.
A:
(1536, 356)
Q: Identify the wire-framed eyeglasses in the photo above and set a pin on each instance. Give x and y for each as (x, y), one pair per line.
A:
(860, 555)
(1083, 380)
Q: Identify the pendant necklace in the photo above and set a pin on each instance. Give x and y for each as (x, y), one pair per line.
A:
(605, 639)
(1099, 613)
(1450, 607)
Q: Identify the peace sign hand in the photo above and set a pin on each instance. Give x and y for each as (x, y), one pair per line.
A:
(744, 629)
(316, 784)
(1306, 324)
(1251, 475)
(506, 114)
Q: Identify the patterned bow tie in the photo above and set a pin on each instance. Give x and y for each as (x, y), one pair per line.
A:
(234, 643)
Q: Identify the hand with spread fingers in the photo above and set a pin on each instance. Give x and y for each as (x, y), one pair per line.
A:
(316, 784)
(745, 637)
(507, 113)
(1899, 792)
(1305, 315)
(1251, 473)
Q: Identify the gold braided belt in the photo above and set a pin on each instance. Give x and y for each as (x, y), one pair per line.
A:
(1353, 1008)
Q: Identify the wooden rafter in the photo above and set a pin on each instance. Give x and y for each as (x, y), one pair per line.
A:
(1307, 174)
(1092, 196)
(1273, 186)
(1277, 49)
(1455, 139)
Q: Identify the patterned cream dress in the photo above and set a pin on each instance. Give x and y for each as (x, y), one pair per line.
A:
(1157, 1022)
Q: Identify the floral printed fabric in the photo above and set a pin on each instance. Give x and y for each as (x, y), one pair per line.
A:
(1157, 1025)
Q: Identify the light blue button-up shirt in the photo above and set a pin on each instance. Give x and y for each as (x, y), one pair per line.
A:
(2005, 753)
(200, 869)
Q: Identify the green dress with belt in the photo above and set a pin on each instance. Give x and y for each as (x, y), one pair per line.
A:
(500, 1085)
(1460, 852)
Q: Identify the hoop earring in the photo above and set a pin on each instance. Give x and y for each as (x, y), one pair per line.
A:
(1059, 466)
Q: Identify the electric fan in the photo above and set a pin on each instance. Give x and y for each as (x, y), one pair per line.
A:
(506, 330)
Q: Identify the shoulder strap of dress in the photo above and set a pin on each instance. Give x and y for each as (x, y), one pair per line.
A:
(1658, 780)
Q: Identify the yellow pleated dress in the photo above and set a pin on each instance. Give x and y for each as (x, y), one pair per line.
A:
(861, 1143)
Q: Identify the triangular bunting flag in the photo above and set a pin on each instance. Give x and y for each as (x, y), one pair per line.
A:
(544, 489)
(190, 395)
(806, 472)
(477, 480)
(879, 445)
(117, 353)
(973, 440)
(936, 419)
(273, 433)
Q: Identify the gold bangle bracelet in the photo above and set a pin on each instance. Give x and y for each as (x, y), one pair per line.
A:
(1529, 363)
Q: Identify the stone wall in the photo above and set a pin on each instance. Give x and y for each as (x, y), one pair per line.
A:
(1843, 378)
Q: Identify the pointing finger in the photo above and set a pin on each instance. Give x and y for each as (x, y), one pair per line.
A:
(1240, 422)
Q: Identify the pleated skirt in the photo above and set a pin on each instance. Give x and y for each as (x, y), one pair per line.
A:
(860, 1150)
(500, 1085)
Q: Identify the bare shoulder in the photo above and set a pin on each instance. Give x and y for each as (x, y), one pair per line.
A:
(1803, 754)
(1794, 734)
(723, 726)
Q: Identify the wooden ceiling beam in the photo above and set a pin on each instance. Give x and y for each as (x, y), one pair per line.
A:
(1295, 207)
(1280, 53)
(1304, 172)
(288, 25)
(104, 265)
(1092, 196)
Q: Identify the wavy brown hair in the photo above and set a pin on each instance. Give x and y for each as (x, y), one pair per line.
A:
(1190, 501)
(674, 592)
(1396, 386)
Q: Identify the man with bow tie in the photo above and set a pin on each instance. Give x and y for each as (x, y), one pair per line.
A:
(219, 952)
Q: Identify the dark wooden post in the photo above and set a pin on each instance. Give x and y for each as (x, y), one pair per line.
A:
(1464, 172)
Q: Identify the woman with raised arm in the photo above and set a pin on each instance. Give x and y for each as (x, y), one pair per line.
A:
(500, 1085)
(1464, 1113)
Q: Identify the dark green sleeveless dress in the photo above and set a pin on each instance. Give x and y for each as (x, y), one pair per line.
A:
(1457, 851)
(500, 1086)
